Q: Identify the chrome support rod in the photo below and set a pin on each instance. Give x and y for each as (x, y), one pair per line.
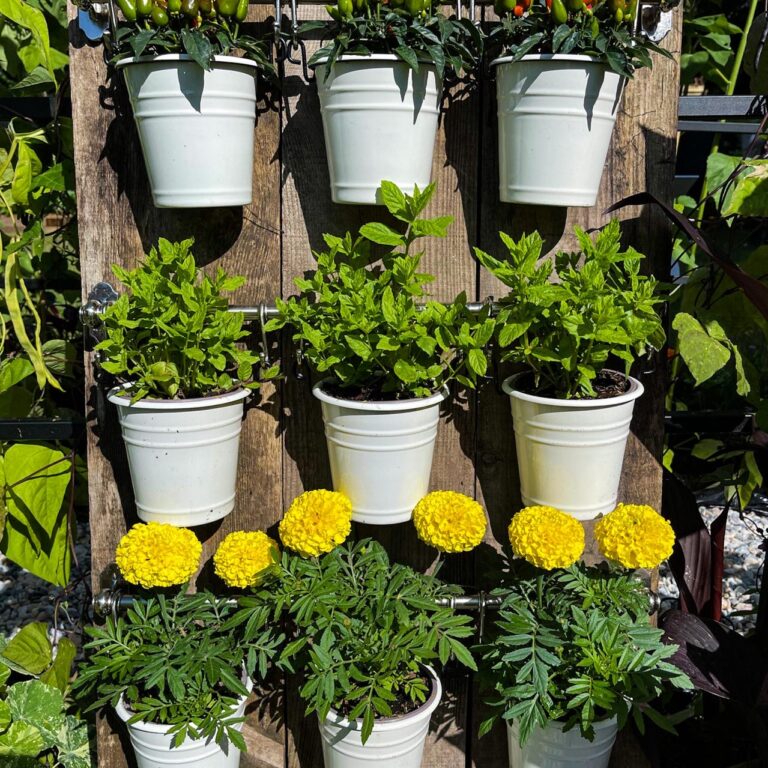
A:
(110, 602)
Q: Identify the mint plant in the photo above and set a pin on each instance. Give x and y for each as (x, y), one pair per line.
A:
(365, 320)
(364, 629)
(172, 336)
(563, 321)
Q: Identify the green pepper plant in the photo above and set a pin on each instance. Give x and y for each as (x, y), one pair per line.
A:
(415, 31)
(172, 335)
(200, 28)
(364, 319)
(564, 322)
(604, 29)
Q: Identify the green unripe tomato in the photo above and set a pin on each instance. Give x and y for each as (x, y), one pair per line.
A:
(242, 10)
(346, 8)
(128, 7)
(144, 7)
(226, 8)
(559, 12)
(174, 6)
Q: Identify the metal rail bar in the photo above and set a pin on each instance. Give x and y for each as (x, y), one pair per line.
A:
(41, 430)
(109, 602)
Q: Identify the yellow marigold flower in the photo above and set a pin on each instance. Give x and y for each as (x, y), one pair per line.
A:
(449, 521)
(158, 555)
(243, 558)
(546, 537)
(316, 522)
(635, 536)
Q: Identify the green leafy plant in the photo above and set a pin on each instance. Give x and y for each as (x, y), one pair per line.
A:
(364, 630)
(362, 320)
(566, 331)
(604, 29)
(575, 646)
(200, 28)
(172, 336)
(413, 30)
(178, 661)
(35, 726)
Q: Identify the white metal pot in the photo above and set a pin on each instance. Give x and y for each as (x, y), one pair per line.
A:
(570, 452)
(182, 455)
(380, 122)
(556, 114)
(195, 127)
(152, 745)
(551, 747)
(397, 741)
(381, 452)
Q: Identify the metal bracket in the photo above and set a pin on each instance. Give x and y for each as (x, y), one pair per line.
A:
(656, 20)
(101, 296)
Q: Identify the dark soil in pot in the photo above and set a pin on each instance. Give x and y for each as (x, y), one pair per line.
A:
(607, 384)
(401, 706)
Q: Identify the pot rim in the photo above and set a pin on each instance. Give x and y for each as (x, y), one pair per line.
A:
(550, 57)
(393, 723)
(124, 714)
(183, 57)
(383, 406)
(635, 390)
(598, 725)
(354, 57)
(116, 395)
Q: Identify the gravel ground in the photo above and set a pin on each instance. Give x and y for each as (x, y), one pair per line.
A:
(25, 598)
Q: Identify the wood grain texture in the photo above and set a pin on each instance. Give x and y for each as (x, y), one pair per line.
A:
(283, 446)
(117, 223)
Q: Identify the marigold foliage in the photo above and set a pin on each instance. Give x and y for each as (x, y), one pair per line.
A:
(316, 522)
(449, 521)
(245, 558)
(635, 536)
(546, 537)
(158, 555)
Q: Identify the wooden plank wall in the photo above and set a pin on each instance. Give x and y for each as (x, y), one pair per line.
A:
(270, 242)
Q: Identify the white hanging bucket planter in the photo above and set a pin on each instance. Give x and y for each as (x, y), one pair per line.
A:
(570, 452)
(380, 122)
(182, 455)
(152, 745)
(397, 741)
(195, 128)
(556, 114)
(552, 747)
(381, 452)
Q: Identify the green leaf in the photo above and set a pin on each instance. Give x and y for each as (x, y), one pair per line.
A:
(29, 650)
(35, 536)
(393, 198)
(478, 362)
(59, 673)
(39, 705)
(198, 47)
(30, 18)
(72, 745)
(703, 355)
(21, 740)
(381, 234)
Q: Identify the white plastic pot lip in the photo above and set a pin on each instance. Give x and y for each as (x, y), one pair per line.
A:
(393, 723)
(356, 57)
(598, 725)
(125, 715)
(635, 390)
(117, 396)
(580, 57)
(183, 57)
(385, 406)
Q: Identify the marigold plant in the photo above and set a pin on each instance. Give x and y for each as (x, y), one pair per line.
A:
(316, 522)
(635, 536)
(245, 558)
(449, 521)
(158, 555)
(546, 537)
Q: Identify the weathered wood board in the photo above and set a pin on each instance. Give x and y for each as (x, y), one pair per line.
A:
(270, 242)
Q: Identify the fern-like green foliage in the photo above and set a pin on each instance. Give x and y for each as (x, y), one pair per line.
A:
(177, 661)
(564, 319)
(576, 646)
(172, 335)
(366, 320)
(364, 629)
